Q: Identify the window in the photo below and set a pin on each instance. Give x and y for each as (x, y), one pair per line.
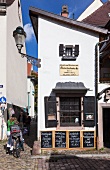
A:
(70, 111)
(68, 52)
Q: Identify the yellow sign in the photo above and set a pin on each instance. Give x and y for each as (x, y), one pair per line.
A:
(69, 70)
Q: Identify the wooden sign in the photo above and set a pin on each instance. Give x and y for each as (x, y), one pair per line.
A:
(46, 139)
(88, 139)
(68, 139)
(74, 139)
(60, 139)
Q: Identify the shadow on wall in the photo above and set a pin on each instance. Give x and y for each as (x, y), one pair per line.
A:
(29, 140)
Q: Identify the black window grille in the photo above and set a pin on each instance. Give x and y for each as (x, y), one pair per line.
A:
(69, 52)
(70, 111)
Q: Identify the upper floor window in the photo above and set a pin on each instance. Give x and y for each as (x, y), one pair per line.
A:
(68, 52)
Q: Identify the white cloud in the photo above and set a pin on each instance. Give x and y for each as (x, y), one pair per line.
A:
(29, 32)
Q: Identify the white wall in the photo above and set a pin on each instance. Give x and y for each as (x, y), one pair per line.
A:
(30, 99)
(16, 65)
(13, 68)
(3, 35)
(50, 36)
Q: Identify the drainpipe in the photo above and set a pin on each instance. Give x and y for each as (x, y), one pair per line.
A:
(97, 55)
(96, 92)
(28, 102)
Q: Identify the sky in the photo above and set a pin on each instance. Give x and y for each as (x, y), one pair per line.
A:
(75, 7)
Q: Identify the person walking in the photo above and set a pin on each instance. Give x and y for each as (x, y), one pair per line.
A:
(27, 122)
(21, 119)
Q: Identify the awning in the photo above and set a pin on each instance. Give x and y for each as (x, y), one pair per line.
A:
(76, 88)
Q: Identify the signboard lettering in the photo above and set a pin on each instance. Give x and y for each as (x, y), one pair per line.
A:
(46, 139)
(88, 139)
(69, 70)
(60, 139)
(74, 139)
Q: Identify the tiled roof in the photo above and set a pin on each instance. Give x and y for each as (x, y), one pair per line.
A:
(100, 17)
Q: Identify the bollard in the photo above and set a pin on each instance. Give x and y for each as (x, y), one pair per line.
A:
(36, 150)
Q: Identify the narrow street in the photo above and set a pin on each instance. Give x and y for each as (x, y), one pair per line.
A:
(64, 160)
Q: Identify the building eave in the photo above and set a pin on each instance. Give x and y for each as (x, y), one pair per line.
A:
(35, 13)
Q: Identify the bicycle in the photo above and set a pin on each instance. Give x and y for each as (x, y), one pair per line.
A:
(17, 144)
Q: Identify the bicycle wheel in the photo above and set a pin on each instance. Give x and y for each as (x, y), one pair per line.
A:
(17, 148)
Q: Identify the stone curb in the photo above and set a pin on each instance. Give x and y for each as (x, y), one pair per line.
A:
(69, 156)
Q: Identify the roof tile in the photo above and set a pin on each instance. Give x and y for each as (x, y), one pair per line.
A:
(100, 17)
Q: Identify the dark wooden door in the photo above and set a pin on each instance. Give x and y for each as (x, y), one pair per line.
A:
(106, 127)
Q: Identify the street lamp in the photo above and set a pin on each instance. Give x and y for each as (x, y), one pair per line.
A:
(20, 35)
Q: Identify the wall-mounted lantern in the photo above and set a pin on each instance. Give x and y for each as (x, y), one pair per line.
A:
(20, 35)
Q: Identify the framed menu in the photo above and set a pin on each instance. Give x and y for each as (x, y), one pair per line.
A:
(74, 139)
(46, 139)
(88, 139)
(60, 139)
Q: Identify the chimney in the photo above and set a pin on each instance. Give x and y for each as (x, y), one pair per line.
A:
(64, 12)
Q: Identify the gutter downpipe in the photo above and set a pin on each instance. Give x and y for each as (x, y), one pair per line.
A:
(97, 54)
(96, 92)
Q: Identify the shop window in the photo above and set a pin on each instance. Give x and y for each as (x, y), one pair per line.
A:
(68, 52)
(70, 111)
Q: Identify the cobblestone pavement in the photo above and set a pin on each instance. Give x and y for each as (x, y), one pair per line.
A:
(9, 162)
(62, 160)
(74, 163)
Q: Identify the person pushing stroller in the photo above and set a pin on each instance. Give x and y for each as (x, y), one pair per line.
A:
(11, 122)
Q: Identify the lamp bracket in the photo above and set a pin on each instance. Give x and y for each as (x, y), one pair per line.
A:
(32, 60)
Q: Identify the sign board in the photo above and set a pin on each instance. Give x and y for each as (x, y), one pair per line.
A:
(3, 100)
(69, 70)
(68, 139)
(46, 139)
(60, 139)
(74, 139)
(88, 139)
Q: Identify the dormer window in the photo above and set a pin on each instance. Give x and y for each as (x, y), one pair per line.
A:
(68, 52)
